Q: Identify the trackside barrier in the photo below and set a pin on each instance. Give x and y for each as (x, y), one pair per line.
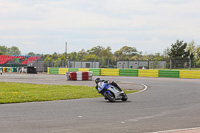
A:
(109, 72)
(148, 73)
(73, 69)
(53, 70)
(4, 69)
(62, 70)
(83, 69)
(79, 75)
(1, 70)
(128, 72)
(9, 69)
(168, 73)
(14, 69)
(96, 71)
(190, 74)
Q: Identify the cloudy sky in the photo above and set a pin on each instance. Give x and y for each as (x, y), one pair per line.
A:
(43, 26)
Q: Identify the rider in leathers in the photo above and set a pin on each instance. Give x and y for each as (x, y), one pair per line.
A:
(97, 80)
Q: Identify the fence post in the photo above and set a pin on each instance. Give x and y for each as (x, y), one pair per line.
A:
(153, 64)
(170, 64)
(128, 63)
(108, 63)
(189, 63)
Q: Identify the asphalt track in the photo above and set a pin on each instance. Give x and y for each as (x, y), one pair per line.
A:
(167, 104)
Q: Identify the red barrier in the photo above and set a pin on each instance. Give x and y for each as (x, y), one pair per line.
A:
(79, 75)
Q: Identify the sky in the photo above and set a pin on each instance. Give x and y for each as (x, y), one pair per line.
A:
(44, 26)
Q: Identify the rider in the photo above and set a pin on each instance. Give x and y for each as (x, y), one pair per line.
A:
(97, 80)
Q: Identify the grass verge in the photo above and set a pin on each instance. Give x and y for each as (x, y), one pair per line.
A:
(22, 92)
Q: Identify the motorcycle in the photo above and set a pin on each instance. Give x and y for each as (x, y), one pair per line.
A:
(111, 93)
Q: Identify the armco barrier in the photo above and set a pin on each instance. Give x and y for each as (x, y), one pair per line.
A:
(62, 70)
(109, 72)
(190, 74)
(148, 73)
(128, 72)
(168, 73)
(96, 71)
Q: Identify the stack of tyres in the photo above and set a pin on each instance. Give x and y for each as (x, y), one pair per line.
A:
(14, 69)
(85, 75)
(68, 75)
(90, 75)
(73, 76)
(9, 69)
(1, 70)
(79, 76)
(4, 69)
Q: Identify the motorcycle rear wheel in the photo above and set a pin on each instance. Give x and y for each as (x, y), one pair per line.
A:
(110, 96)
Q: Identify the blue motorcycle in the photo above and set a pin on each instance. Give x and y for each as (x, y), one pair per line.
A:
(111, 92)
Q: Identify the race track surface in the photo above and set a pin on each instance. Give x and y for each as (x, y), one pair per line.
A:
(167, 104)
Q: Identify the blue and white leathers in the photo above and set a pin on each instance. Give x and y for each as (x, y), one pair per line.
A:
(102, 86)
(110, 92)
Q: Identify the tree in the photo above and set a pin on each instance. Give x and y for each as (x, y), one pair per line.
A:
(81, 54)
(166, 53)
(31, 53)
(54, 56)
(90, 57)
(198, 52)
(72, 56)
(178, 50)
(125, 53)
(96, 50)
(3, 50)
(14, 51)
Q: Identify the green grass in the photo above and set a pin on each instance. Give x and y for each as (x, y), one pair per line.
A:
(21, 92)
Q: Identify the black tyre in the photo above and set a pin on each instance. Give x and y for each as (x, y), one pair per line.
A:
(110, 96)
(125, 97)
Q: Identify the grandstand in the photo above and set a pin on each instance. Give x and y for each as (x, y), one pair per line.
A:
(17, 59)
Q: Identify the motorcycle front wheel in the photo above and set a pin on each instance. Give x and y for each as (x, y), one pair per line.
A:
(110, 96)
(125, 97)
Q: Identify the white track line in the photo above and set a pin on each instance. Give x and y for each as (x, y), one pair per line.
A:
(178, 130)
(145, 88)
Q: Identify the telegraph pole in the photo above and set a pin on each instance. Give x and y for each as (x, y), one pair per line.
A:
(66, 52)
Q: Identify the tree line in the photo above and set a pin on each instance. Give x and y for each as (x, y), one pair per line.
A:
(179, 50)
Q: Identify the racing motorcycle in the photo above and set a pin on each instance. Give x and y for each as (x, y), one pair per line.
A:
(111, 92)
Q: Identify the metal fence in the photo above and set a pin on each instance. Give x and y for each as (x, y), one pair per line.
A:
(42, 66)
(182, 64)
